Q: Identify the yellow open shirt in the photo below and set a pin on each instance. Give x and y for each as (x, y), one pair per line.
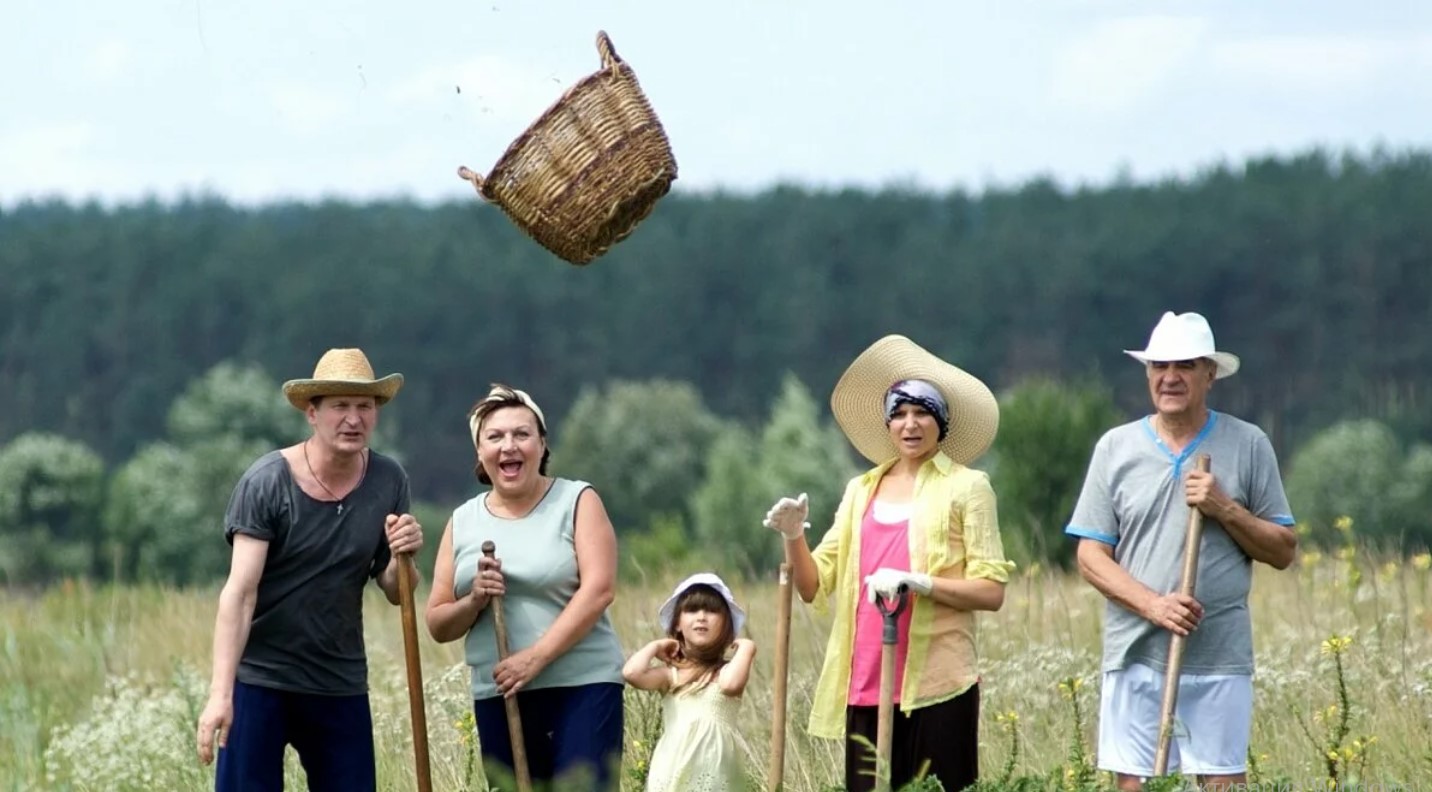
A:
(954, 533)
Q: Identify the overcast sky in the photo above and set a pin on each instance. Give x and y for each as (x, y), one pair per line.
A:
(260, 100)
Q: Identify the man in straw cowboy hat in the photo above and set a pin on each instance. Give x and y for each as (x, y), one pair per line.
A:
(310, 525)
(1131, 522)
(920, 521)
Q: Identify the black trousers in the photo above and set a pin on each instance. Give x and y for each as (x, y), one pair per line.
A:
(946, 735)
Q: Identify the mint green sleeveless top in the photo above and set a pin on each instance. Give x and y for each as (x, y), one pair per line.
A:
(539, 562)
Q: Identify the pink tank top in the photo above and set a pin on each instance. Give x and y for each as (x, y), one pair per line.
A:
(881, 545)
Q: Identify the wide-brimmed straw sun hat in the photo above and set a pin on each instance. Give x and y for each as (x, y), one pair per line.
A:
(342, 372)
(1185, 336)
(668, 608)
(858, 400)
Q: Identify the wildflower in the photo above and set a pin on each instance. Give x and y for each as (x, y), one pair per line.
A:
(1070, 687)
(1336, 645)
(1389, 570)
(1343, 523)
(1311, 558)
(1347, 553)
(1301, 529)
(1422, 561)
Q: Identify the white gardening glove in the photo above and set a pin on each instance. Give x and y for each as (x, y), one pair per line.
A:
(886, 582)
(788, 517)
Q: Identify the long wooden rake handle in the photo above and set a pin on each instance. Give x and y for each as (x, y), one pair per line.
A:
(416, 708)
(1193, 540)
(514, 716)
(775, 775)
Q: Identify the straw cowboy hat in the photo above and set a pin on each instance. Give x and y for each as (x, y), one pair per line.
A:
(342, 372)
(1184, 336)
(858, 400)
(667, 613)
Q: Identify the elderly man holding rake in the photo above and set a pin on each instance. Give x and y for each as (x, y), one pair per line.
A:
(1130, 522)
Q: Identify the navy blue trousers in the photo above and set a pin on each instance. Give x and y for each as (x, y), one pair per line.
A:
(333, 736)
(573, 735)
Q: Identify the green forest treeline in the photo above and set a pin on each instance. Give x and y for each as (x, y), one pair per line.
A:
(1316, 269)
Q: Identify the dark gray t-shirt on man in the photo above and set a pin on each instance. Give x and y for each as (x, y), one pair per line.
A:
(307, 631)
(1133, 500)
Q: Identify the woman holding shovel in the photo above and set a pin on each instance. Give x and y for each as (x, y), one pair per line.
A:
(920, 525)
(554, 565)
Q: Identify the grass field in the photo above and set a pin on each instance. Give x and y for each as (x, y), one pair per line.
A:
(100, 687)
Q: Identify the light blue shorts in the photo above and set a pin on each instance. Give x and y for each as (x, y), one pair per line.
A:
(1212, 722)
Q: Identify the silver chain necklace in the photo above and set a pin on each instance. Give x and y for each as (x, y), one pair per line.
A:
(330, 492)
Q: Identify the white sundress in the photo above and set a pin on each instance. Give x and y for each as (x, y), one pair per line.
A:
(698, 750)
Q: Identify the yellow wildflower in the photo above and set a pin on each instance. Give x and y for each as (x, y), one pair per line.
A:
(1070, 687)
(1422, 561)
(1336, 645)
(1343, 523)
(1311, 558)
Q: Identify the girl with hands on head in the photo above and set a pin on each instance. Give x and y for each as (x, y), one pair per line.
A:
(555, 567)
(922, 522)
(699, 749)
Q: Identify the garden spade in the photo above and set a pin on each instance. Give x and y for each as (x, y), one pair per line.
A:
(885, 722)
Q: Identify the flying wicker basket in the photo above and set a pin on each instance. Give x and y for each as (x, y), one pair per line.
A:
(587, 171)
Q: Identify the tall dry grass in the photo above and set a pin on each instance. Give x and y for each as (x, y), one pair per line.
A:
(100, 687)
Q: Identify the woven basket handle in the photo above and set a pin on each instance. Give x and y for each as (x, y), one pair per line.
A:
(473, 176)
(610, 58)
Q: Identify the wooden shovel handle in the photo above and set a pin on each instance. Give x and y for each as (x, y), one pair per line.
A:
(514, 715)
(1192, 541)
(775, 774)
(416, 709)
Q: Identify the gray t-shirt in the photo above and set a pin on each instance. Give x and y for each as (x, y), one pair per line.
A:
(1133, 500)
(307, 630)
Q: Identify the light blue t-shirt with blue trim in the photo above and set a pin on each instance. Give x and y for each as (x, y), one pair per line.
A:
(1133, 500)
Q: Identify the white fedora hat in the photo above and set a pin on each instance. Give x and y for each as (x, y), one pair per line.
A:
(858, 400)
(1184, 336)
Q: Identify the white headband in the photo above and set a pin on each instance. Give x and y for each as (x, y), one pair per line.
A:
(502, 394)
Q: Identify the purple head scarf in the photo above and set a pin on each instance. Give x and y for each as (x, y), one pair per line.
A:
(921, 394)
